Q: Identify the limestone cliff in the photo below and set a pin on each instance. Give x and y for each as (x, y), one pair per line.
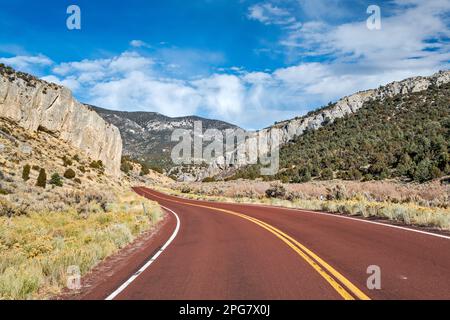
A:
(35, 105)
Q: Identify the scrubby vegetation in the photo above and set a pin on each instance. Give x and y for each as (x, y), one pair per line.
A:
(56, 180)
(413, 204)
(126, 166)
(144, 170)
(405, 137)
(97, 165)
(37, 248)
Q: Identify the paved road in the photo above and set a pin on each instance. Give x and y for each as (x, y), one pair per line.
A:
(234, 251)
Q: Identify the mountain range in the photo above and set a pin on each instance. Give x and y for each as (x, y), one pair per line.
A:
(147, 135)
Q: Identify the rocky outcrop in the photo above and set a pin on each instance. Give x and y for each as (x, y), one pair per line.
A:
(36, 105)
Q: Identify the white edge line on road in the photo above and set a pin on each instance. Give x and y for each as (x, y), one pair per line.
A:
(325, 214)
(350, 218)
(152, 259)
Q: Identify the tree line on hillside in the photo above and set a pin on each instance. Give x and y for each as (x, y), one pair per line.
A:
(405, 137)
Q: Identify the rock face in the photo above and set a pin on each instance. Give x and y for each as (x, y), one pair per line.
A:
(37, 105)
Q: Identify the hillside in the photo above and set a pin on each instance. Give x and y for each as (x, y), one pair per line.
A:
(405, 136)
(147, 135)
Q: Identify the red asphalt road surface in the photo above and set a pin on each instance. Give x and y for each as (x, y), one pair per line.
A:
(222, 256)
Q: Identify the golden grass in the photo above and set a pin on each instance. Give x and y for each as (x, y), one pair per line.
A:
(36, 249)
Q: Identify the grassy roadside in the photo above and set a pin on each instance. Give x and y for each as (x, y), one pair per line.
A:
(37, 249)
(407, 213)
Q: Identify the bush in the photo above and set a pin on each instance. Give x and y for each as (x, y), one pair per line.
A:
(327, 174)
(185, 189)
(209, 179)
(56, 180)
(26, 172)
(77, 180)
(422, 172)
(96, 164)
(42, 179)
(36, 168)
(69, 174)
(144, 170)
(276, 190)
(66, 161)
(354, 174)
(304, 175)
(126, 167)
(9, 209)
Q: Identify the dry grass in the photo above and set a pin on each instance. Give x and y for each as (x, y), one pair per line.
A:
(37, 248)
(420, 205)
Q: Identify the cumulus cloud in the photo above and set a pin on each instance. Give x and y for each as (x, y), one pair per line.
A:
(27, 63)
(222, 94)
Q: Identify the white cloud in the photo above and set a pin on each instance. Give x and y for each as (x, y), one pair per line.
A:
(70, 82)
(409, 38)
(139, 44)
(269, 14)
(27, 63)
(222, 94)
(138, 91)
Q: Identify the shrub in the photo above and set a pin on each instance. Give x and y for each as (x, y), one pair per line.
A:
(36, 168)
(96, 164)
(327, 174)
(26, 172)
(276, 190)
(77, 180)
(42, 179)
(66, 161)
(69, 174)
(185, 189)
(304, 175)
(144, 170)
(56, 180)
(354, 174)
(76, 158)
(9, 209)
(422, 172)
(209, 179)
(126, 167)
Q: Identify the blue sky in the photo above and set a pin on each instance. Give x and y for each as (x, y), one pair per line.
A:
(248, 62)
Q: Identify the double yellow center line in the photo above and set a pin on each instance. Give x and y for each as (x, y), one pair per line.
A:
(342, 285)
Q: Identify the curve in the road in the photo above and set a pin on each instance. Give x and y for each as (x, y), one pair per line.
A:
(347, 290)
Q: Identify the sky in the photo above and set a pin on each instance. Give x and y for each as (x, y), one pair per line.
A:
(248, 62)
